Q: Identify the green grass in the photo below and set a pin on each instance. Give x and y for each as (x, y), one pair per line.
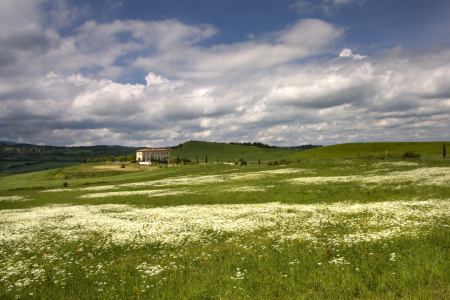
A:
(314, 229)
(21, 167)
(352, 150)
(227, 152)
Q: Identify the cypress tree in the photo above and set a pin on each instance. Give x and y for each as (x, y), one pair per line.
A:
(197, 159)
(445, 153)
(206, 159)
(259, 161)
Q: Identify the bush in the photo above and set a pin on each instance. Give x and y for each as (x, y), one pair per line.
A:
(284, 161)
(410, 155)
(65, 184)
(122, 166)
(243, 162)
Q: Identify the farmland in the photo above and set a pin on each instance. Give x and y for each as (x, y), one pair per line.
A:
(340, 228)
(227, 152)
(354, 150)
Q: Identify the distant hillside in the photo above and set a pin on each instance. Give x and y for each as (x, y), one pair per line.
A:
(227, 152)
(374, 149)
(7, 143)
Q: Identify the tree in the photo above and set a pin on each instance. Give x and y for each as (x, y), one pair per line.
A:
(259, 161)
(197, 159)
(206, 159)
(95, 159)
(111, 158)
(445, 153)
(129, 157)
(84, 159)
(88, 160)
(103, 159)
(121, 158)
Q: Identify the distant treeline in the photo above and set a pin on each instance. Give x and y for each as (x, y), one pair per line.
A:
(258, 145)
(27, 152)
(301, 148)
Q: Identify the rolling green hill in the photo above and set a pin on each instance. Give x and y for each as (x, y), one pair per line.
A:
(227, 152)
(374, 149)
(21, 167)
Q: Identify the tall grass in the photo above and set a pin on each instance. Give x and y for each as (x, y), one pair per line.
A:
(314, 229)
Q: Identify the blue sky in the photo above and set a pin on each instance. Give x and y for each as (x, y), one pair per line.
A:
(158, 73)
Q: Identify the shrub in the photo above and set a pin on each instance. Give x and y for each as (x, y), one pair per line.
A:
(284, 161)
(122, 166)
(411, 155)
(243, 162)
(65, 184)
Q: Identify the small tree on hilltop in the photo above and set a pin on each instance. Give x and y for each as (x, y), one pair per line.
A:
(206, 159)
(444, 153)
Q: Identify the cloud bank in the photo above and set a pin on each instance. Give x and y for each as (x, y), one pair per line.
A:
(292, 86)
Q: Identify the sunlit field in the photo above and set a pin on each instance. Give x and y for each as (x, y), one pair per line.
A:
(311, 229)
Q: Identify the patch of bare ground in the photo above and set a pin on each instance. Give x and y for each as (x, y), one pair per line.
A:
(127, 168)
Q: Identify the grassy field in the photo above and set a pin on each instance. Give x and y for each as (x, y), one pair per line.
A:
(21, 167)
(353, 150)
(314, 229)
(227, 152)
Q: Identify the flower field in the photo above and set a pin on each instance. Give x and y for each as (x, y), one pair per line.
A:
(316, 229)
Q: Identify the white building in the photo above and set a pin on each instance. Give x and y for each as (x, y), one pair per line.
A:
(152, 154)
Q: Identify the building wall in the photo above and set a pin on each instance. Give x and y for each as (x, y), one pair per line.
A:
(143, 155)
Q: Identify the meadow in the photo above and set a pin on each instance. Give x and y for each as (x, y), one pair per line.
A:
(228, 153)
(380, 149)
(311, 229)
(21, 167)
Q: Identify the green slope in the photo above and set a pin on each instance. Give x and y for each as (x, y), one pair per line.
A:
(227, 152)
(375, 149)
(21, 167)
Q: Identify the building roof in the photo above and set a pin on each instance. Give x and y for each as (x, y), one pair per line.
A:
(152, 150)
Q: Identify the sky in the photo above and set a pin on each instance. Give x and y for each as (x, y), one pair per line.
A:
(282, 72)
